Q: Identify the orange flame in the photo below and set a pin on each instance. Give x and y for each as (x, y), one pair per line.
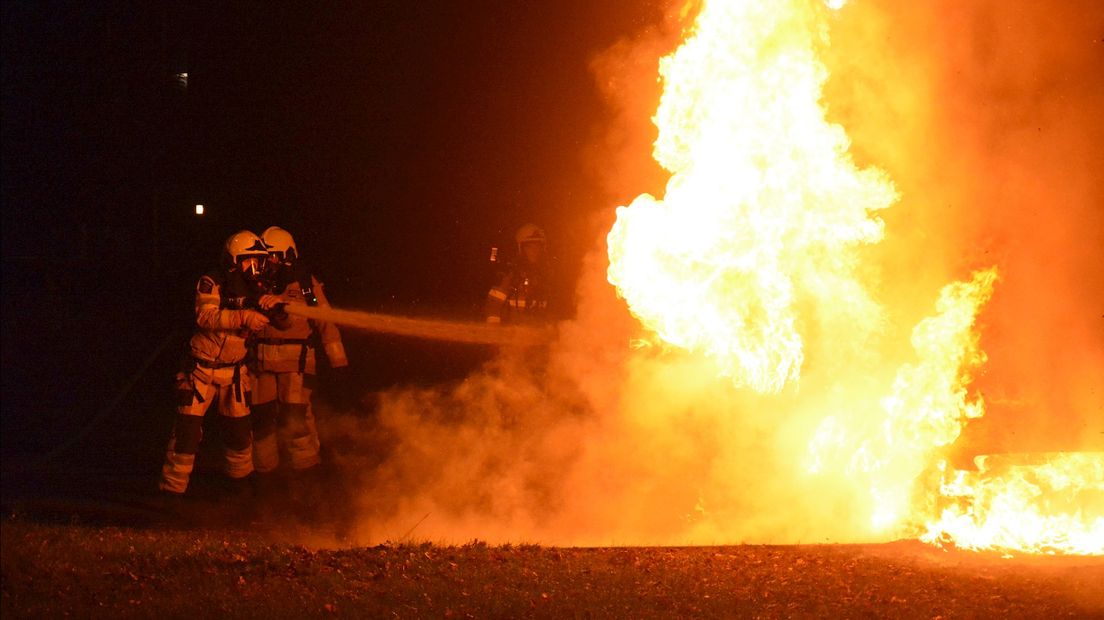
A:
(1052, 507)
(756, 243)
(764, 206)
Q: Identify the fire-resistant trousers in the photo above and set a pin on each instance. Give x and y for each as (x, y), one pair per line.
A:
(197, 389)
(283, 421)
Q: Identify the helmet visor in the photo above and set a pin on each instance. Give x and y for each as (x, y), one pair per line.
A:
(252, 266)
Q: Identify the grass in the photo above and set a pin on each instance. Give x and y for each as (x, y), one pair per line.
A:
(56, 570)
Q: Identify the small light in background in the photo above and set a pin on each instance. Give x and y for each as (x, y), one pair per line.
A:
(199, 209)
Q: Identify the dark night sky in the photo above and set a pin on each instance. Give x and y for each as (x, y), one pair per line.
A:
(397, 141)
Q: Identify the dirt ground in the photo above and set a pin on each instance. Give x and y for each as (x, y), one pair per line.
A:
(70, 569)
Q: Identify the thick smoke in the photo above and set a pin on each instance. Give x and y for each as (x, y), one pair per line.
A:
(986, 115)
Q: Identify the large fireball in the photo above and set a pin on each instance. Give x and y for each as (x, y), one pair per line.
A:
(755, 252)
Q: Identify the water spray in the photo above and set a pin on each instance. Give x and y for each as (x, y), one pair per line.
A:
(429, 329)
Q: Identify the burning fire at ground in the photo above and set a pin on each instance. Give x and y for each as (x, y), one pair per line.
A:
(807, 341)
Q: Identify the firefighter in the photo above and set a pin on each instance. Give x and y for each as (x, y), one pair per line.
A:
(285, 364)
(214, 370)
(521, 293)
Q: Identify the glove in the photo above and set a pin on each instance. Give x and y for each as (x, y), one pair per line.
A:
(253, 321)
(268, 302)
(280, 320)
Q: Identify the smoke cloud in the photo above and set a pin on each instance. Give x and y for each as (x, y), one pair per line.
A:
(985, 114)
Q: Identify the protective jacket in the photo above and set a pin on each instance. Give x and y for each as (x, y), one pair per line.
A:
(220, 337)
(293, 349)
(284, 361)
(520, 296)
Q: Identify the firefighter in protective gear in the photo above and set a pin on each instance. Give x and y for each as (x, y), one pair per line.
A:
(521, 294)
(285, 362)
(214, 369)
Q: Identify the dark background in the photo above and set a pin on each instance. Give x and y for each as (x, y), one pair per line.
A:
(397, 141)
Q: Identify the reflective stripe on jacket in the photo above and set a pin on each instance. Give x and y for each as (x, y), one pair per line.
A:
(220, 332)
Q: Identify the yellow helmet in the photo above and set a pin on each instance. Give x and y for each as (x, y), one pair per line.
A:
(280, 243)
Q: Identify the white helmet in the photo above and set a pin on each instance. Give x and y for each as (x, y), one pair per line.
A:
(280, 244)
(246, 251)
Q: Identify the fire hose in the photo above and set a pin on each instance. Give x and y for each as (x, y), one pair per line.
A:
(430, 329)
